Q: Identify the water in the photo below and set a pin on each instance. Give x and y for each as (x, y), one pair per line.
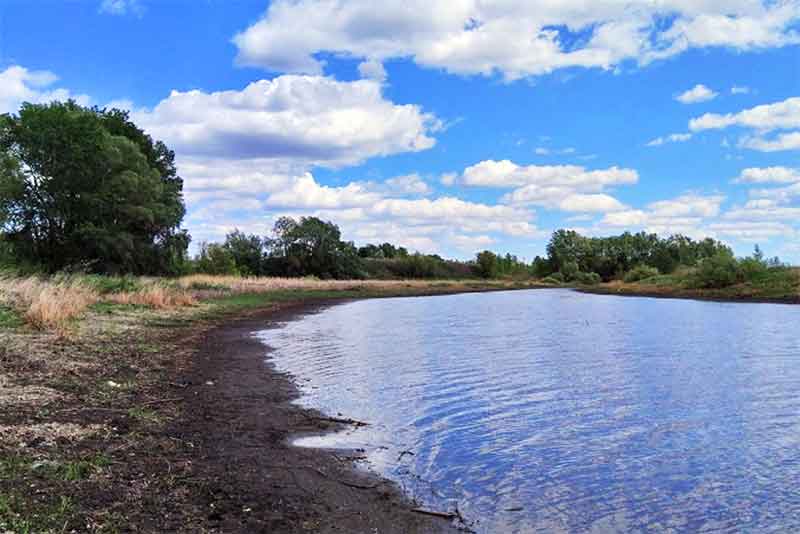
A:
(550, 410)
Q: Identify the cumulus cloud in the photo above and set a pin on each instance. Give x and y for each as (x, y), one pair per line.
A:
(372, 70)
(763, 119)
(515, 39)
(766, 117)
(18, 85)
(740, 90)
(686, 214)
(761, 175)
(672, 138)
(778, 143)
(311, 119)
(562, 187)
(698, 93)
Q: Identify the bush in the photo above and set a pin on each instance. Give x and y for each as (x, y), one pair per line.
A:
(552, 280)
(640, 272)
(588, 279)
(570, 271)
(555, 278)
(752, 268)
(718, 271)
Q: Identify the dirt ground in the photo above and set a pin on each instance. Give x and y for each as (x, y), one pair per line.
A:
(165, 424)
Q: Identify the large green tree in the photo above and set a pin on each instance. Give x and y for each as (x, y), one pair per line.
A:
(84, 188)
(311, 246)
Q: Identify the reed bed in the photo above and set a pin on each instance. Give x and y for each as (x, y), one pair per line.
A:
(238, 284)
(47, 303)
(154, 296)
(52, 303)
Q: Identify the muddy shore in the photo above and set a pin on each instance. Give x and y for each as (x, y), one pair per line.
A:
(241, 417)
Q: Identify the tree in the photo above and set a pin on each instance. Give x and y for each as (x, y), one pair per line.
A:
(215, 259)
(247, 252)
(85, 188)
(486, 264)
(311, 246)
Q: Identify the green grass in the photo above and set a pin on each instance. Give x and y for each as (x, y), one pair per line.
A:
(19, 516)
(20, 466)
(112, 284)
(9, 318)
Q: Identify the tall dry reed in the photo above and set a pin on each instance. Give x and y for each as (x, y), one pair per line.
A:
(47, 303)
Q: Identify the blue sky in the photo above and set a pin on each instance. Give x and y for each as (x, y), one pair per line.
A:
(448, 127)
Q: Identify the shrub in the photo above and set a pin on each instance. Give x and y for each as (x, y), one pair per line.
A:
(570, 271)
(551, 280)
(555, 278)
(640, 272)
(752, 268)
(589, 279)
(718, 271)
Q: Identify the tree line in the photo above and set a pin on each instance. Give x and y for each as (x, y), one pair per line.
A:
(85, 189)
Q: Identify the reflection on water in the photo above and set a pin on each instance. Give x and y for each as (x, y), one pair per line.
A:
(550, 410)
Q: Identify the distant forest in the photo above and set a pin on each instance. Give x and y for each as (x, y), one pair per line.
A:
(85, 190)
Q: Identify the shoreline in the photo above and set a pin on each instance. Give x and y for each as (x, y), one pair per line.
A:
(681, 294)
(176, 420)
(307, 486)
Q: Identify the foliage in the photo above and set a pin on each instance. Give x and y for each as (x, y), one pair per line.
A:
(570, 271)
(588, 279)
(486, 264)
(85, 189)
(311, 247)
(641, 272)
(611, 257)
(718, 271)
(215, 259)
(247, 253)
(384, 250)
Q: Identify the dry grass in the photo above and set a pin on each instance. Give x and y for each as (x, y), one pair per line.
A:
(47, 303)
(52, 303)
(237, 284)
(155, 296)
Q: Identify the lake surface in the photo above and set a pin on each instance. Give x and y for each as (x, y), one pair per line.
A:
(551, 410)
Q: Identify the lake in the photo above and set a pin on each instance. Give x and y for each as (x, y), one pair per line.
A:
(551, 410)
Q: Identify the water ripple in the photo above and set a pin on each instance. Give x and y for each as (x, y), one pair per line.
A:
(553, 411)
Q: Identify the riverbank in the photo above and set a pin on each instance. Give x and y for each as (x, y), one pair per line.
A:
(168, 419)
(781, 288)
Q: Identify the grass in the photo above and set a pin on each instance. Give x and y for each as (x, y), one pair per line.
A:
(778, 284)
(57, 302)
(18, 516)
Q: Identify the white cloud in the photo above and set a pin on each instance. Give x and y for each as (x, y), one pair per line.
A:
(305, 192)
(753, 231)
(779, 143)
(740, 90)
(505, 173)
(372, 70)
(595, 203)
(564, 187)
(122, 7)
(310, 119)
(448, 178)
(18, 85)
(672, 138)
(686, 214)
(766, 117)
(515, 39)
(698, 93)
(761, 175)
(409, 184)
(689, 205)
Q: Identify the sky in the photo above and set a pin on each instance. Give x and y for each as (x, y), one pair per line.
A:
(445, 126)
